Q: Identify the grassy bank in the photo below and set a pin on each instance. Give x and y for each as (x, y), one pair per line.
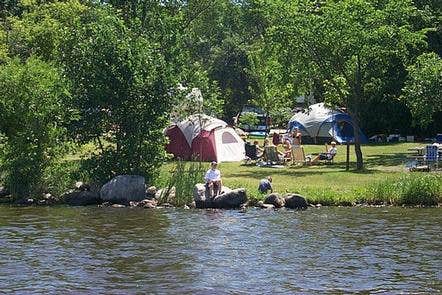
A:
(385, 180)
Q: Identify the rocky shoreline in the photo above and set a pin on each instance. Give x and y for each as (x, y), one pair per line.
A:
(131, 191)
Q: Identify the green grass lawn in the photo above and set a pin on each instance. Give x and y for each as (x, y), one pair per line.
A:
(330, 184)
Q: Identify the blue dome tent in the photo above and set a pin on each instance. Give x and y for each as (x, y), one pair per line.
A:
(320, 122)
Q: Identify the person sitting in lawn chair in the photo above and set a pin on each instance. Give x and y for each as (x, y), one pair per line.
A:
(213, 180)
(328, 156)
(271, 155)
(287, 151)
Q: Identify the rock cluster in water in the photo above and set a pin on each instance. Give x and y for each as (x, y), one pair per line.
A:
(131, 190)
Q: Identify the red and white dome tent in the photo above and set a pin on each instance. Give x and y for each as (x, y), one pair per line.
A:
(204, 138)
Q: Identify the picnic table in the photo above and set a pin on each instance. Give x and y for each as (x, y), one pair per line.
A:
(418, 151)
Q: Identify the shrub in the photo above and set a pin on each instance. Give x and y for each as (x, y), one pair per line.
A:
(32, 112)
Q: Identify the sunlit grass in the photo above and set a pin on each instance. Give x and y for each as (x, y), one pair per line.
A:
(327, 184)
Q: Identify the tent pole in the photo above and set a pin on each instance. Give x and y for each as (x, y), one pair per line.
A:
(347, 165)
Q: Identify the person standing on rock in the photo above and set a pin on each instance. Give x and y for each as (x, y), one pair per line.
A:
(265, 185)
(213, 180)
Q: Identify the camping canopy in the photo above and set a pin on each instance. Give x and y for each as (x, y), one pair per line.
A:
(320, 121)
(206, 138)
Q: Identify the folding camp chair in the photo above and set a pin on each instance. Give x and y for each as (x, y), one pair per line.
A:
(251, 151)
(271, 155)
(431, 156)
(298, 155)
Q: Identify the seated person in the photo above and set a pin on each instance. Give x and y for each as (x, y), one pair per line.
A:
(266, 143)
(265, 185)
(287, 150)
(259, 150)
(271, 153)
(296, 137)
(213, 180)
(276, 139)
(329, 155)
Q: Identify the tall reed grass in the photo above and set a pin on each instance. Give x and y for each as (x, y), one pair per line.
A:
(411, 190)
(182, 180)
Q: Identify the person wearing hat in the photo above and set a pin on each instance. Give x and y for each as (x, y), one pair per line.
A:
(329, 155)
(213, 180)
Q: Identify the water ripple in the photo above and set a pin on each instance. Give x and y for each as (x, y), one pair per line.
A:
(120, 251)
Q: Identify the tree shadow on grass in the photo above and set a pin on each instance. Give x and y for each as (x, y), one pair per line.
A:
(291, 171)
(395, 159)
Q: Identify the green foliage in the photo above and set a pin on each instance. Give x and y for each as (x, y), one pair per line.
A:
(414, 189)
(126, 98)
(280, 117)
(33, 99)
(183, 178)
(60, 176)
(423, 92)
(44, 29)
(248, 119)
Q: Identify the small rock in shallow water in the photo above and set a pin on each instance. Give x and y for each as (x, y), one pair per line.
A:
(186, 207)
(118, 206)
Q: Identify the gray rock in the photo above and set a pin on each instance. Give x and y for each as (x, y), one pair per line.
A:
(275, 199)
(81, 198)
(202, 197)
(104, 205)
(79, 185)
(199, 193)
(47, 200)
(118, 206)
(124, 188)
(295, 201)
(148, 203)
(150, 192)
(25, 202)
(4, 192)
(230, 200)
(262, 205)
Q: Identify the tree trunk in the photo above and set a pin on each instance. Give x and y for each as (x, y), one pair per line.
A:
(357, 100)
(358, 151)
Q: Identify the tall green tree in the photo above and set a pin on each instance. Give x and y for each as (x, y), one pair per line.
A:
(122, 89)
(34, 100)
(348, 45)
(423, 89)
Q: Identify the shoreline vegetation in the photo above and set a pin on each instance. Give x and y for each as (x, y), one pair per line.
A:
(87, 89)
(385, 182)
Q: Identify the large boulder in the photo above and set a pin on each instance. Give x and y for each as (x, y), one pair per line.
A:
(233, 199)
(124, 188)
(295, 201)
(275, 199)
(81, 198)
(202, 197)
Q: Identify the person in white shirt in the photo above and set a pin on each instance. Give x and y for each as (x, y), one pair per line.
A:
(329, 155)
(213, 180)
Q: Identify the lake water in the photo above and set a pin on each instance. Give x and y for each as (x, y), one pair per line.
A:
(120, 251)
